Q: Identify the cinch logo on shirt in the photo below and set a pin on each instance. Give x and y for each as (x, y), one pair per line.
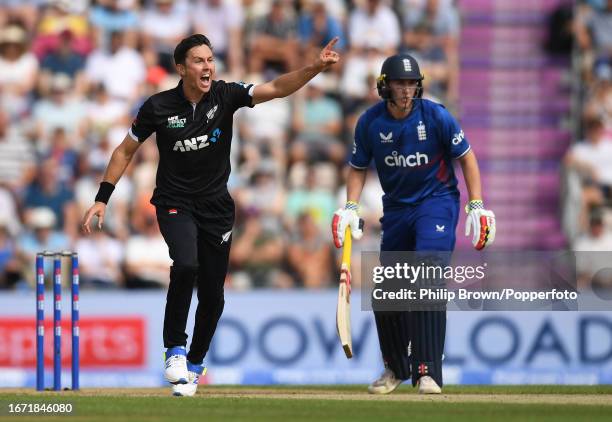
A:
(174, 122)
(458, 138)
(412, 160)
(197, 143)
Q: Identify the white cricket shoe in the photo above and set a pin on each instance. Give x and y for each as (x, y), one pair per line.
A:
(427, 385)
(176, 365)
(385, 384)
(189, 389)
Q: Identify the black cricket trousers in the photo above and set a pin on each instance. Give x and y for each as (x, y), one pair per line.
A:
(198, 234)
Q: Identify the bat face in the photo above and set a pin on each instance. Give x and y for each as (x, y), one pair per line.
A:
(343, 310)
(343, 313)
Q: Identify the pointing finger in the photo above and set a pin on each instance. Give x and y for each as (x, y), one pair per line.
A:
(331, 44)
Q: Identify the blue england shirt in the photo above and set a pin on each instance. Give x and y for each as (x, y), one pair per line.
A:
(413, 156)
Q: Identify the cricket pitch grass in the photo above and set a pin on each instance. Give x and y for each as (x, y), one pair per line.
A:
(322, 403)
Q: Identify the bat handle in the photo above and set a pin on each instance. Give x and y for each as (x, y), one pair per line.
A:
(346, 252)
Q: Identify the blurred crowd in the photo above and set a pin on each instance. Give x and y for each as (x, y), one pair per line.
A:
(73, 73)
(588, 162)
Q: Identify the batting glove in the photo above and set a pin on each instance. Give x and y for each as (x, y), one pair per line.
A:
(481, 222)
(347, 217)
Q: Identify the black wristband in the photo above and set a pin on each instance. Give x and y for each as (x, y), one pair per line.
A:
(105, 191)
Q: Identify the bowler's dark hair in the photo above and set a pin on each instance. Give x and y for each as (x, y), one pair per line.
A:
(180, 52)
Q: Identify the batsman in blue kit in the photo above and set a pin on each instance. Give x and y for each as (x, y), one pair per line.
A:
(413, 142)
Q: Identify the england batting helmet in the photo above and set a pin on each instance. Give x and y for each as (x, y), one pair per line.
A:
(399, 66)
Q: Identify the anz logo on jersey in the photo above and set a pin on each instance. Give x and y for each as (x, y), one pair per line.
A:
(197, 142)
(411, 160)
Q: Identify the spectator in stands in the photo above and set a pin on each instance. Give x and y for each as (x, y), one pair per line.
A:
(588, 260)
(309, 254)
(60, 109)
(91, 170)
(8, 211)
(41, 236)
(592, 160)
(317, 120)
(100, 260)
(316, 28)
(110, 16)
(274, 40)
(355, 106)
(62, 59)
(311, 198)
(261, 205)
(599, 105)
(432, 58)
(358, 87)
(58, 19)
(147, 262)
(264, 131)
(17, 156)
(162, 28)
(97, 61)
(594, 36)
(433, 30)
(10, 270)
(221, 21)
(374, 25)
(18, 69)
(47, 191)
(265, 194)
(145, 170)
(103, 111)
(19, 10)
(258, 249)
(65, 156)
(120, 68)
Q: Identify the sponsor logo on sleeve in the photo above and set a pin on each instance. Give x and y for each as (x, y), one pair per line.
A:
(458, 138)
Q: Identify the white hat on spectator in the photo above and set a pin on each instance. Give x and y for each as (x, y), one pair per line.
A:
(63, 5)
(13, 34)
(60, 82)
(41, 218)
(266, 166)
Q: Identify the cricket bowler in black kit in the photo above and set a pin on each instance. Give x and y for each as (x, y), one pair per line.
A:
(195, 212)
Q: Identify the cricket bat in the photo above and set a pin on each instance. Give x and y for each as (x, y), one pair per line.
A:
(343, 311)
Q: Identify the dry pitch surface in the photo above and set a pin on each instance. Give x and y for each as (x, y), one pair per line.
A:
(322, 403)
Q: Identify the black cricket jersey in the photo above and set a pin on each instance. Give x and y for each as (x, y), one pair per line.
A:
(194, 140)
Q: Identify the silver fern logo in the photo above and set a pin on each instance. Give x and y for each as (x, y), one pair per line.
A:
(211, 113)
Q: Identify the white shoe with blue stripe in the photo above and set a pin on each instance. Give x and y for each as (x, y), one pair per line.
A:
(189, 389)
(176, 365)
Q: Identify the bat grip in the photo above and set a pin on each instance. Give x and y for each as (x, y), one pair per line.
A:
(346, 252)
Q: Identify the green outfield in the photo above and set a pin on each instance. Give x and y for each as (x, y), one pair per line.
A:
(324, 403)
